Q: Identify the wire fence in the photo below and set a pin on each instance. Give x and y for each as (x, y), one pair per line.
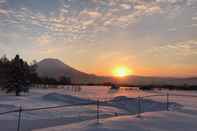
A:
(139, 104)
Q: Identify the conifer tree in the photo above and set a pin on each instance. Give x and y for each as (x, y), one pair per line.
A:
(17, 75)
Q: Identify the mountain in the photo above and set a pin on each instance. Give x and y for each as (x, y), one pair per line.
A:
(54, 68)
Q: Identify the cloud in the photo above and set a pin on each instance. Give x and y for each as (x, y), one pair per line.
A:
(88, 21)
(172, 29)
(184, 49)
(126, 6)
(43, 40)
(194, 18)
(115, 8)
(172, 1)
(148, 9)
(3, 12)
(3, 8)
(92, 14)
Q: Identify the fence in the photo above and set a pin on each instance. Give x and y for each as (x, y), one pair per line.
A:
(139, 103)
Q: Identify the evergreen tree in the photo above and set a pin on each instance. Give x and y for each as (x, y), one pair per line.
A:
(18, 76)
(4, 70)
(33, 74)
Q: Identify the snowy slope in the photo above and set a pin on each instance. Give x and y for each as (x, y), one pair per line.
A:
(68, 118)
(155, 121)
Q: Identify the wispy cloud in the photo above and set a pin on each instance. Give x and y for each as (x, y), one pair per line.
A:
(177, 49)
(85, 22)
(42, 40)
(3, 8)
(106, 14)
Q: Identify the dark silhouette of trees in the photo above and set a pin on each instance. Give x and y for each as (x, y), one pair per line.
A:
(49, 81)
(4, 70)
(35, 79)
(64, 80)
(52, 81)
(16, 75)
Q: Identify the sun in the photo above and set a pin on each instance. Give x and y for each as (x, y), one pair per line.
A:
(122, 71)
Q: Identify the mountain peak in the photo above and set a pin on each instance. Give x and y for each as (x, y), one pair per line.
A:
(51, 60)
(55, 68)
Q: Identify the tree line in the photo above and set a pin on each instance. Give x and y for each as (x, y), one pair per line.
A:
(17, 76)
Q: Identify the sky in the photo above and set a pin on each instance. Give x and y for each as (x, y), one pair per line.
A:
(151, 37)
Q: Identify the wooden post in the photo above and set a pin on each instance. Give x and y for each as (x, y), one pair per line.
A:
(139, 107)
(167, 102)
(19, 119)
(97, 112)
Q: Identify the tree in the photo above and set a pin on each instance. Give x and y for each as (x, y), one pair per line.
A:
(33, 74)
(18, 76)
(65, 80)
(4, 69)
(49, 81)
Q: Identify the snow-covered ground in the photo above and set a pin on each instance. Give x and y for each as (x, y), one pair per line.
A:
(154, 121)
(39, 98)
(69, 117)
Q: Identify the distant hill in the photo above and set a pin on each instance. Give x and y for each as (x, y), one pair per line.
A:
(54, 68)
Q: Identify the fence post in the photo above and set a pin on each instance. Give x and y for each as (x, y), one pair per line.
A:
(167, 102)
(19, 119)
(97, 111)
(139, 107)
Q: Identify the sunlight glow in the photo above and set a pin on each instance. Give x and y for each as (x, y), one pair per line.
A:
(122, 71)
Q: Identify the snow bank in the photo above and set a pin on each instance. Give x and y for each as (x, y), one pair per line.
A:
(154, 121)
(66, 98)
(131, 105)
